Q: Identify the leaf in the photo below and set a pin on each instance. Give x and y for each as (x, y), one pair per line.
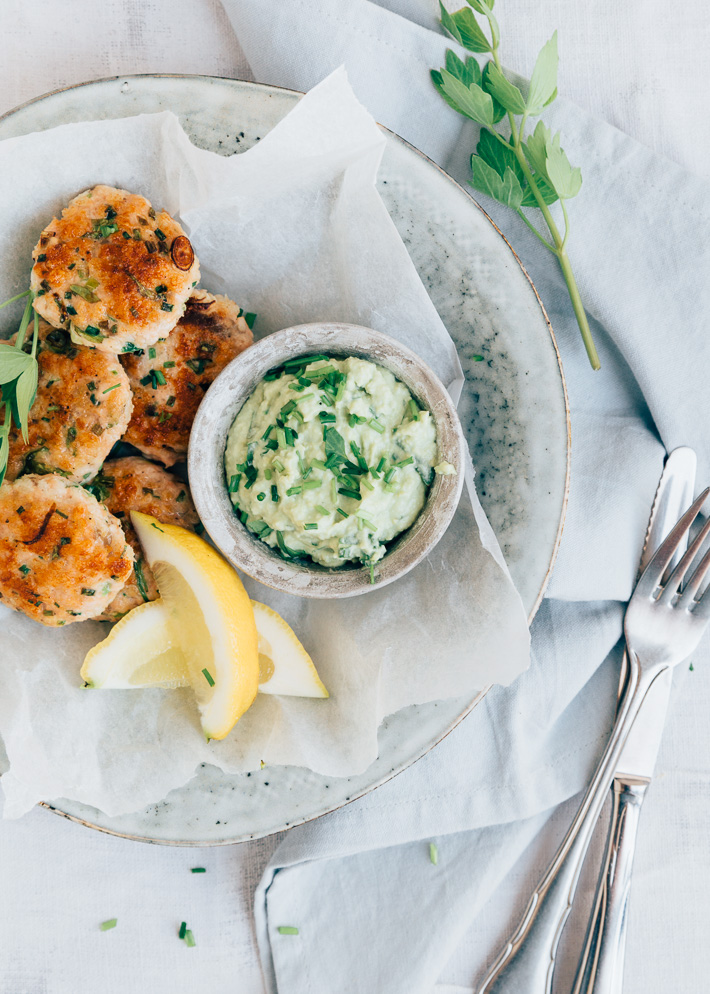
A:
(546, 191)
(482, 6)
(505, 190)
(497, 155)
(468, 72)
(469, 31)
(25, 391)
(448, 23)
(535, 148)
(471, 100)
(495, 83)
(334, 443)
(564, 179)
(13, 363)
(543, 81)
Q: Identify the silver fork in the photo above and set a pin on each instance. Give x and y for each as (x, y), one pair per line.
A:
(663, 625)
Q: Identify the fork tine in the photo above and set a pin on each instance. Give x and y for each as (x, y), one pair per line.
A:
(671, 587)
(653, 573)
(694, 584)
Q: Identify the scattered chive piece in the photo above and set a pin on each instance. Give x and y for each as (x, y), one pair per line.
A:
(281, 436)
(372, 574)
(111, 923)
(366, 483)
(691, 667)
(405, 462)
(319, 507)
(160, 234)
(268, 474)
(278, 465)
(311, 525)
(151, 353)
(433, 853)
(355, 419)
(341, 512)
(318, 463)
(287, 930)
(333, 491)
(260, 496)
(476, 358)
(381, 464)
(183, 929)
(367, 523)
(109, 389)
(208, 677)
(347, 492)
(292, 491)
(189, 938)
(413, 410)
(390, 488)
(274, 493)
(326, 417)
(169, 364)
(373, 423)
(312, 484)
(234, 483)
(198, 869)
(24, 569)
(389, 474)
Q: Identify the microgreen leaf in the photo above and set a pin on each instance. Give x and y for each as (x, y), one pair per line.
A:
(334, 443)
(472, 101)
(448, 23)
(468, 72)
(498, 155)
(508, 95)
(566, 180)
(506, 189)
(535, 148)
(12, 363)
(25, 391)
(543, 81)
(482, 6)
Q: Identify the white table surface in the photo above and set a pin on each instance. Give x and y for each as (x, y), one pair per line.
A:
(59, 880)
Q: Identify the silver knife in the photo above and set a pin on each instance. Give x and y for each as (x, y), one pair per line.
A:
(601, 966)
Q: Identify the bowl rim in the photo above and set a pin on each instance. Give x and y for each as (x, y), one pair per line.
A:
(239, 379)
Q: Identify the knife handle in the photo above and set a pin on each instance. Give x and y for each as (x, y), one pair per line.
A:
(601, 966)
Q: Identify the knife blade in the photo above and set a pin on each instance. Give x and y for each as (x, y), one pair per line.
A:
(674, 495)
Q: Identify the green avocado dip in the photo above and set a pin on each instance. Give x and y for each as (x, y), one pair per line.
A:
(331, 459)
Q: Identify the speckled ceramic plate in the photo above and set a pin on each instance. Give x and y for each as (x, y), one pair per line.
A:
(514, 411)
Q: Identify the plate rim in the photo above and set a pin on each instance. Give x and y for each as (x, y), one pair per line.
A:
(565, 497)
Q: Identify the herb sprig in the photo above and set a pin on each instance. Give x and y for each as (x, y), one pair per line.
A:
(516, 171)
(18, 379)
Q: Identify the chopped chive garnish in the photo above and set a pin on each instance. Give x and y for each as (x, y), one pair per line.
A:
(189, 938)
(234, 483)
(24, 569)
(267, 432)
(292, 491)
(281, 436)
(366, 483)
(347, 492)
(278, 465)
(355, 449)
(373, 473)
(326, 417)
(477, 358)
(151, 353)
(390, 488)
(376, 425)
(109, 389)
(355, 419)
(170, 401)
(290, 435)
(366, 523)
(333, 491)
(287, 930)
(111, 923)
(433, 853)
(160, 234)
(250, 319)
(274, 494)
(389, 474)
(288, 409)
(208, 677)
(261, 496)
(405, 462)
(317, 374)
(312, 484)
(268, 474)
(381, 464)
(372, 574)
(311, 526)
(341, 512)
(183, 929)
(198, 869)
(169, 364)
(413, 410)
(319, 508)
(318, 463)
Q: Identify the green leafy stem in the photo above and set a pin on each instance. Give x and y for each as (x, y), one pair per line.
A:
(18, 379)
(519, 172)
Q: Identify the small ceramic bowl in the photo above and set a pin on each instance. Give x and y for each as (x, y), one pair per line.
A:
(224, 400)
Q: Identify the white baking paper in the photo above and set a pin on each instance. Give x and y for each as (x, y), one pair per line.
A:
(294, 230)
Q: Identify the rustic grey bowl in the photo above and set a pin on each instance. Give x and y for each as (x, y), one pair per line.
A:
(224, 400)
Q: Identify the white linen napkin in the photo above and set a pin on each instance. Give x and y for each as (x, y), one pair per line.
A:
(374, 915)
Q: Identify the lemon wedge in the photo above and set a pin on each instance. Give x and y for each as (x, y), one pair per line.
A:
(140, 651)
(211, 619)
(284, 665)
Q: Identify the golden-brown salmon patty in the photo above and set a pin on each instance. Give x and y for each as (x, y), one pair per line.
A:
(63, 555)
(83, 406)
(134, 484)
(169, 380)
(113, 271)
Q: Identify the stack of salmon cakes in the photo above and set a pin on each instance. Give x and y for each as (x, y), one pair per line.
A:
(127, 346)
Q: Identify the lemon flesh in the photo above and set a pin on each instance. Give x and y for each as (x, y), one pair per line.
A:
(140, 652)
(210, 617)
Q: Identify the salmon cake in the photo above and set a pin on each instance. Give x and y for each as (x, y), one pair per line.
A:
(63, 555)
(169, 380)
(134, 484)
(82, 407)
(113, 271)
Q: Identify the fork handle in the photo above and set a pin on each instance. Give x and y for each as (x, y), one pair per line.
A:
(601, 967)
(526, 963)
